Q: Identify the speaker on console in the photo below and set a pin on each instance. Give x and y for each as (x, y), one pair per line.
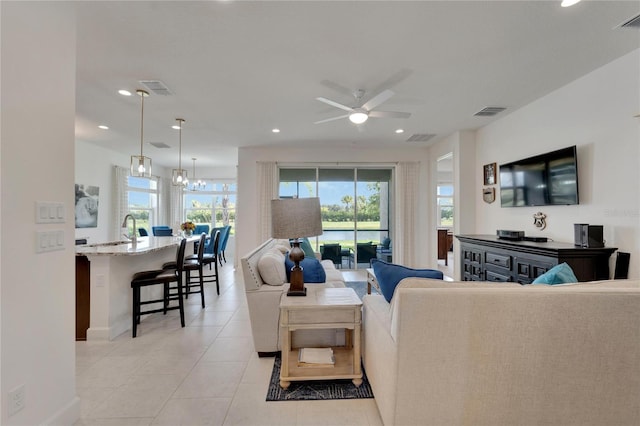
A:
(586, 235)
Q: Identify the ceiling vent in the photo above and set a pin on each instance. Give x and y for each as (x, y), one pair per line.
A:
(160, 145)
(632, 23)
(157, 87)
(421, 137)
(489, 111)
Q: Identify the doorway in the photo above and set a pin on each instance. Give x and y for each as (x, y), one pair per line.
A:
(444, 213)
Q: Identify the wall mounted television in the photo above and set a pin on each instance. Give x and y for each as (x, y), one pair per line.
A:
(544, 180)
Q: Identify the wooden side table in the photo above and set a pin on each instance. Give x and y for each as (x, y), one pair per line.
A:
(322, 308)
(372, 281)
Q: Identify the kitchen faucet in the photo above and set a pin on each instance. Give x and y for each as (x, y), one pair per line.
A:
(124, 225)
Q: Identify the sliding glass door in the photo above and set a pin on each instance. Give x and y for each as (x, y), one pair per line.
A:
(355, 203)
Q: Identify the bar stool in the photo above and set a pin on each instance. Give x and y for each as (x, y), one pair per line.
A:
(195, 263)
(159, 277)
(212, 259)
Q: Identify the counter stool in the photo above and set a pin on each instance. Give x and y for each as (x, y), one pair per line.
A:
(194, 285)
(212, 259)
(159, 277)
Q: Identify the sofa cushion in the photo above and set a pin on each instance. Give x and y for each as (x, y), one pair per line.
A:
(271, 267)
(312, 270)
(559, 274)
(389, 275)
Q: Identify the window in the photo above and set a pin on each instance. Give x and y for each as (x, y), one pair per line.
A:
(355, 203)
(215, 205)
(142, 200)
(445, 205)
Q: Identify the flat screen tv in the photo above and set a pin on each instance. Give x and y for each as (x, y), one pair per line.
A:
(544, 180)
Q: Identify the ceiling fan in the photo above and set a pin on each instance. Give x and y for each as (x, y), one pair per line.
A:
(361, 113)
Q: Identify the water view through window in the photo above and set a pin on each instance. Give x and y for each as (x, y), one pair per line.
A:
(355, 205)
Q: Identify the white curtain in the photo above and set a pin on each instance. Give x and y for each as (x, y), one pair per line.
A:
(176, 207)
(120, 202)
(406, 213)
(267, 191)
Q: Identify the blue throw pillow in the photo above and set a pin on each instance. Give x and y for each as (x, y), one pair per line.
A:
(559, 274)
(312, 270)
(389, 275)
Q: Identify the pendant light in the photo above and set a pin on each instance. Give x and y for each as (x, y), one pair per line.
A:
(198, 184)
(179, 175)
(141, 165)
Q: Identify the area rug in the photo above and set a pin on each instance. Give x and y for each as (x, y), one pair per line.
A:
(360, 288)
(316, 389)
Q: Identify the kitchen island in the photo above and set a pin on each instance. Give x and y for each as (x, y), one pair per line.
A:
(111, 266)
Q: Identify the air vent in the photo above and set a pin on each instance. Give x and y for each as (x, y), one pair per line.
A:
(157, 87)
(632, 23)
(489, 111)
(420, 137)
(160, 145)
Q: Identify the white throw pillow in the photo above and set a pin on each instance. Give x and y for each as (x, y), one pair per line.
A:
(271, 267)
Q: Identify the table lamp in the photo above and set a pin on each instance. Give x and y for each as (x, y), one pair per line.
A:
(295, 218)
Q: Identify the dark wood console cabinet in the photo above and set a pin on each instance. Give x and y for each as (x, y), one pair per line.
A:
(488, 258)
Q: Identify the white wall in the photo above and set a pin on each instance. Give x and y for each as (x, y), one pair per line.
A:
(37, 290)
(246, 237)
(94, 166)
(595, 113)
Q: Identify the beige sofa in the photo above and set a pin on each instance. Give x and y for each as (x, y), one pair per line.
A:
(456, 353)
(263, 301)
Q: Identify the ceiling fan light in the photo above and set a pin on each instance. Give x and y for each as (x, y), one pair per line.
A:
(358, 117)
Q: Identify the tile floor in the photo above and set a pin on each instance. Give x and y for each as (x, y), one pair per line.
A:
(204, 374)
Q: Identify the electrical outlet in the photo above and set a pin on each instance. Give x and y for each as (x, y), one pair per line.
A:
(17, 400)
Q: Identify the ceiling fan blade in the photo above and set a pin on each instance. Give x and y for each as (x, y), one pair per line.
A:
(331, 119)
(337, 87)
(393, 80)
(377, 99)
(335, 104)
(389, 114)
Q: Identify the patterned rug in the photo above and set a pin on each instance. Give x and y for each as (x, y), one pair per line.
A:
(316, 389)
(360, 288)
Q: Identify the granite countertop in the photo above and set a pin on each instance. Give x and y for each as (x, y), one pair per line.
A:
(144, 245)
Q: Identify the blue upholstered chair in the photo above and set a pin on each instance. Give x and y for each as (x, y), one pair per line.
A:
(161, 231)
(201, 229)
(223, 243)
(143, 232)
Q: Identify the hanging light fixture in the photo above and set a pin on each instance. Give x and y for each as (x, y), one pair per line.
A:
(141, 165)
(198, 184)
(179, 175)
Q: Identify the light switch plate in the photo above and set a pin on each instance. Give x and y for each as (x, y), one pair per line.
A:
(49, 241)
(50, 212)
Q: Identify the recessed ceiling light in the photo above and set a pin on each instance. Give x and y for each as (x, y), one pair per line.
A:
(124, 92)
(103, 127)
(276, 130)
(399, 131)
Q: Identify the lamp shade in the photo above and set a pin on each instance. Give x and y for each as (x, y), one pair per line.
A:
(295, 218)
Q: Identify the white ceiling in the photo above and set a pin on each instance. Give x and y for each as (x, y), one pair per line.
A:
(237, 69)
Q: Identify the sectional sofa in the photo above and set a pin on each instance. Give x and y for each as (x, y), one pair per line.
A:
(462, 353)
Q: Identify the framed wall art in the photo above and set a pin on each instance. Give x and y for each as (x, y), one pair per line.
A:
(490, 174)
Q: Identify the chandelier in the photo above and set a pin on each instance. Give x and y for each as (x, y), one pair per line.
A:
(179, 175)
(141, 165)
(197, 184)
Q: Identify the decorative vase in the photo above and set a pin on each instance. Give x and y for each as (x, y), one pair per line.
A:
(188, 233)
